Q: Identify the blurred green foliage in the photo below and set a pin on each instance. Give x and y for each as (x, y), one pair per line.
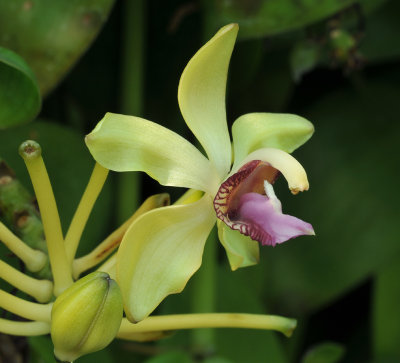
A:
(324, 353)
(334, 62)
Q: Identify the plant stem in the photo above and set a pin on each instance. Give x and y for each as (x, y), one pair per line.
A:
(33, 259)
(203, 295)
(41, 290)
(82, 213)
(25, 309)
(61, 269)
(215, 320)
(106, 247)
(24, 328)
(131, 94)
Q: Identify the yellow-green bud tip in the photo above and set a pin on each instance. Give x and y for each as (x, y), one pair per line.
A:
(86, 317)
(29, 150)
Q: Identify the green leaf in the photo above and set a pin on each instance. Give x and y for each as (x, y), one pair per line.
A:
(304, 57)
(262, 18)
(42, 352)
(328, 352)
(171, 357)
(382, 34)
(19, 93)
(386, 303)
(42, 349)
(218, 360)
(51, 35)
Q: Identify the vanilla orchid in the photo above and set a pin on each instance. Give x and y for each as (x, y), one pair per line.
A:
(163, 248)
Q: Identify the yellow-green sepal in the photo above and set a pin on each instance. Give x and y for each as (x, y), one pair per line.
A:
(128, 143)
(254, 131)
(201, 96)
(160, 252)
(241, 250)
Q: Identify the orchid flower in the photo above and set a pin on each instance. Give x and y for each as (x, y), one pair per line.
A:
(163, 248)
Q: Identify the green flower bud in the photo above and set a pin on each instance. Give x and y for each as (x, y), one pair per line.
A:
(86, 317)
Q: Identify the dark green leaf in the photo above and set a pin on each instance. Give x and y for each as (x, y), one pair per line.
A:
(42, 349)
(328, 352)
(261, 18)
(51, 35)
(386, 313)
(171, 357)
(304, 57)
(380, 43)
(19, 93)
(217, 360)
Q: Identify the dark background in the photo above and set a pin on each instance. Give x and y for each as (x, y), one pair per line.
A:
(340, 70)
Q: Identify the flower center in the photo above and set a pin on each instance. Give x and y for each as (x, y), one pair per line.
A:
(249, 178)
(246, 202)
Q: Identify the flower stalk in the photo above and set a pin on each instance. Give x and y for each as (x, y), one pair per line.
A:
(20, 213)
(31, 153)
(24, 328)
(23, 308)
(41, 290)
(82, 213)
(212, 320)
(33, 259)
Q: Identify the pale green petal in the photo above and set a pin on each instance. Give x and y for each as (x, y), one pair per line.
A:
(273, 130)
(290, 168)
(201, 96)
(160, 252)
(241, 250)
(128, 143)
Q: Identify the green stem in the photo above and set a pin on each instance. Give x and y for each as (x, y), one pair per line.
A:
(131, 95)
(203, 298)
